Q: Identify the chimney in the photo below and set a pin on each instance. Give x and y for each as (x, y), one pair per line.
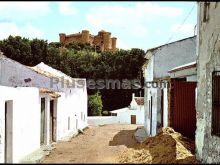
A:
(133, 96)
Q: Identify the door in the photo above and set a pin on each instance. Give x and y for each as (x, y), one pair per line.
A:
(133, 119)
(42, 122)
(150, 109)
(8, 131)
(53, 120)
(162, 104)
(183, 109)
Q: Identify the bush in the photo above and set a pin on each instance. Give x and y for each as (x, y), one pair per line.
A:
(95, 104)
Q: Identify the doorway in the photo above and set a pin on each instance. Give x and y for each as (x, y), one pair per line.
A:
(8, 131)
(150, 109)
(133, 119)
(52, 121)
(43, 122)
(162, 105)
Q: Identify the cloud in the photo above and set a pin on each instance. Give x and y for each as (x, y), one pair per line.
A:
(23, 10)
(130, 22)
(28, 31)
(122, 45)
(123, 16)
(66, 8)
(185, 29)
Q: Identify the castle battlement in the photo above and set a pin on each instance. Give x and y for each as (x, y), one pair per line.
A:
(102, 39)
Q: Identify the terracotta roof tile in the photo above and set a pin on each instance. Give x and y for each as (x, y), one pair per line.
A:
(139, 100)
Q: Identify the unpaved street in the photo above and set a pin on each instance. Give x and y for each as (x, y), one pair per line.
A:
(97, 145)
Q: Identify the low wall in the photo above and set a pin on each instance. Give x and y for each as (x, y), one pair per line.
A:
(101, 120)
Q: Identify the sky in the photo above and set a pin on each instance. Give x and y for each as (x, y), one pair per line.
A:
(135, 24)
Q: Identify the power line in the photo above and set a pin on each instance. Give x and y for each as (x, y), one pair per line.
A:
(171, 37)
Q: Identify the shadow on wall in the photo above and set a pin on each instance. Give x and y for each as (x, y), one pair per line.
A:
(124, 137)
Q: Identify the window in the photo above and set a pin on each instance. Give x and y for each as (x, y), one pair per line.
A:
(216, 103)
(81, 115)
(206, 11)
(68, 123)
(114, 114)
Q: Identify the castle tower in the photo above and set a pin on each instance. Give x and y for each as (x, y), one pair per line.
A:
(106, 40)
(85, 36)
(62, 38)
(114, 39)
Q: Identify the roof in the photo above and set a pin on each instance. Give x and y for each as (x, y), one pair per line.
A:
(182, 67)
(49, 92)
(152, 49)
(139, 100)
(119, 110)
(50, 72)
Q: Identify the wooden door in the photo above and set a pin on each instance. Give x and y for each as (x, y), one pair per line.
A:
(42, 122)
(133, 119)
(183, 110)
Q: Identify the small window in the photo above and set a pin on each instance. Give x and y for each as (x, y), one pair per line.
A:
(81, 115)
(216, 103)
(206, 11)
(216, 4)
(114, 114)
(68, 123)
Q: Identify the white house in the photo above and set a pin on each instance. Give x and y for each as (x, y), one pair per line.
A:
(160, 60)
(36, 108)
(182, 99)
(134, 114)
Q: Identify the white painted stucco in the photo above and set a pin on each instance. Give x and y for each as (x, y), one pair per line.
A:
(71, 105)
(26, 121)
(173, 55)
(123, 117)
(160, 60)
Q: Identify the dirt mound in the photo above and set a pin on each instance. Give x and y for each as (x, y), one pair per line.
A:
(166, 147)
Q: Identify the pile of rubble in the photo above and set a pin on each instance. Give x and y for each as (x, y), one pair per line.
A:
(166, 147)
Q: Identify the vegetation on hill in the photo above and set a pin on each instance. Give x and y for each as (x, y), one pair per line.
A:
(82, 61)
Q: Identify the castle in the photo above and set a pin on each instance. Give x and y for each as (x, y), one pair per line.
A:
(103, 39)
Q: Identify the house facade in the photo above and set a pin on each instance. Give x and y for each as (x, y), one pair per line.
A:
(35, 103)
(208, 89)
(134, 114)
(182, 98)
(159, 61)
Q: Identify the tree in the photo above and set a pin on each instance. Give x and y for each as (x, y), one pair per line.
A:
(95, 104)
(82, 61)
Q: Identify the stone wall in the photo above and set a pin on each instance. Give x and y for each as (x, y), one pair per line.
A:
(103, 39)
(208, 49)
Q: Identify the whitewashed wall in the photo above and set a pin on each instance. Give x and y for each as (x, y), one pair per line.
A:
(101, 120)
(72, 103)
(148, 76)
(165, 107)
(161, 61)
(121, 118)
(125, 117)
(26, 121)
(174, 55)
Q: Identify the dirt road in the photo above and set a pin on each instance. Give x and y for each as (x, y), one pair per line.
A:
(97, 145)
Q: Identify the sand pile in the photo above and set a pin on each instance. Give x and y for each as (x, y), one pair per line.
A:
(166, 147)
